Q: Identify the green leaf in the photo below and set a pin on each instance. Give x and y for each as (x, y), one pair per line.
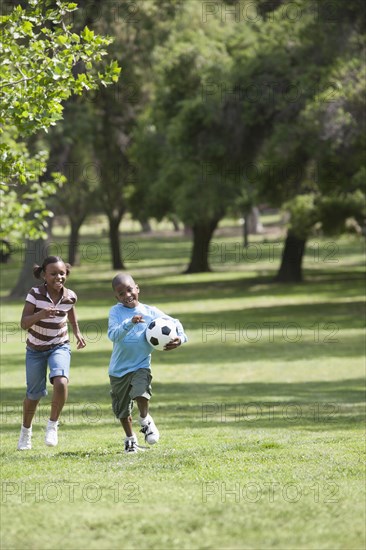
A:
(27, 28)
(61, 39)
(87, 34)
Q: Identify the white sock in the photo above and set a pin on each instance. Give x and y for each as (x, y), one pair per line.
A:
(131, 437)
(52, 422)
(145, 420)
(26, 430)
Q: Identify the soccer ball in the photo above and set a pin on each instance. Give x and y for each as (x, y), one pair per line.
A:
(160, 332)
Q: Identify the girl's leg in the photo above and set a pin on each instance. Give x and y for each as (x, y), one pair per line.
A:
(29, 409)
(36, 372)
(59, 363)
(60, 392)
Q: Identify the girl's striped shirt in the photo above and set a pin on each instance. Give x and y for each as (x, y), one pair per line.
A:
(51, 332)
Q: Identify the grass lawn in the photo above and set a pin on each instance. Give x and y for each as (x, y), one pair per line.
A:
(261, 414)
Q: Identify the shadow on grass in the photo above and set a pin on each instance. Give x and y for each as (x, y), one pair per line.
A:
(236, 351)
(160, 289)
(305, 316)
(334, 405)
(331, 284)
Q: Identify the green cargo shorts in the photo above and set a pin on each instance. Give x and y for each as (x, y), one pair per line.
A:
(125, 389)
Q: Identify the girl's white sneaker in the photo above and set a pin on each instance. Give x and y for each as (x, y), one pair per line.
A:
(25, 439)
(51, 438)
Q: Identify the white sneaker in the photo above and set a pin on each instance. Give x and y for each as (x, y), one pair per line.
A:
(131, 445)
(51, 438)
(150, 431)
(25, 439)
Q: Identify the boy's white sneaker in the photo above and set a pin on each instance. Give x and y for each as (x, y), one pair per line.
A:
(51, 438)
(131, 445)
(149, 429)
(25, 439)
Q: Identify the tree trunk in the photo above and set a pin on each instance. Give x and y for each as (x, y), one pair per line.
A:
(34, 253)
(202, 234)
(254, 224)
(117, 262)
(73, 256)
(145, 226)
(175, 221)
(245, 229)
(291, 265)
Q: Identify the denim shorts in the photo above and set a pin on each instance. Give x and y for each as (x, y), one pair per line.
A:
(58, 360)
(125, 389)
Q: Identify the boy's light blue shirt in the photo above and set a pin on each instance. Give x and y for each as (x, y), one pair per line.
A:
(130, 348)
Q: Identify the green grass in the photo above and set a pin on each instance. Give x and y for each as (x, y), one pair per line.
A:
(261, 414)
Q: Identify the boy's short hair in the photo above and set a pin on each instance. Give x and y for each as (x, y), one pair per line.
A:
(122, 278)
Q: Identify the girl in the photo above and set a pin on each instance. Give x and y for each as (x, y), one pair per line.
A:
(46, 311)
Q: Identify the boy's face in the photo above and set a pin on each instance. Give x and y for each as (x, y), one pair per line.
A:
(128, 294)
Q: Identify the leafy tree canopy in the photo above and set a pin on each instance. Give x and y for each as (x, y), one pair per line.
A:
(42, 62)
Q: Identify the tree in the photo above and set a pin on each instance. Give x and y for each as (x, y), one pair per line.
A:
(43, 62)
(316, 149)
(136, 30)
(72, 154)
(179, 145)
(39, 56)
(258, 130)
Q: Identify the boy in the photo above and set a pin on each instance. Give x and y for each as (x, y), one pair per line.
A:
(129, 368)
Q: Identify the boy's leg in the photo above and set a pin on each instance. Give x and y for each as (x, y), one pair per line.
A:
(127, 425)
(131, 443)
(122, 407)
(141, 393)
(143, 406)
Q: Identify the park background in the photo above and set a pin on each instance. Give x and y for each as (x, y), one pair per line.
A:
(223, 167)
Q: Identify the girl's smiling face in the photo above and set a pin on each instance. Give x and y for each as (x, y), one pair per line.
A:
(128, 294)
(55, 276)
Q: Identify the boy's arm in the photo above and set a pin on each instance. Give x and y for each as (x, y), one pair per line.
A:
(180, 330)
(118, 329)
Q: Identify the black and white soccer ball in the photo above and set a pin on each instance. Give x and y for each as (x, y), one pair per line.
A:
(160, 332)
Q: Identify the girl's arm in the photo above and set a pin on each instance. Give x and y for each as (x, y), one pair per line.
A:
(71, 314)
(30, 318)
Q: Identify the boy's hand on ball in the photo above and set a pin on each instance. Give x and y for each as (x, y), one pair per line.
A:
(173, 344)
(137, 319)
